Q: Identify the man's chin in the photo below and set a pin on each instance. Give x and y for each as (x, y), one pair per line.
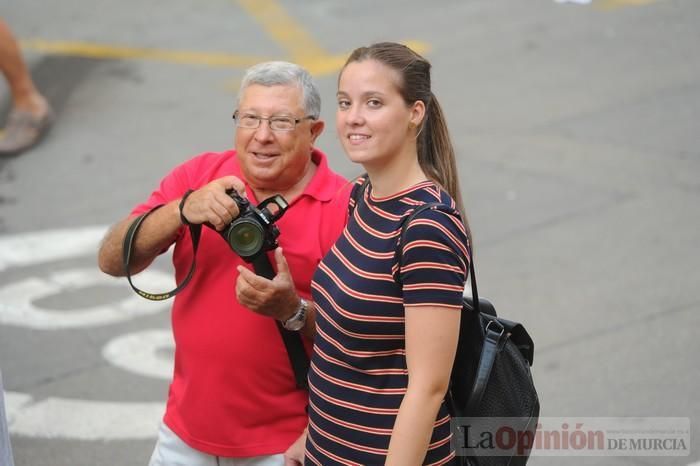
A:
(261, 172)
(266, 179)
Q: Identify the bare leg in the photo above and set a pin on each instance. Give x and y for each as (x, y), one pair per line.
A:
(31, 114)
(24, 94)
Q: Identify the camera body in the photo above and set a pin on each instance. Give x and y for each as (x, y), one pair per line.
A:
(254, 231)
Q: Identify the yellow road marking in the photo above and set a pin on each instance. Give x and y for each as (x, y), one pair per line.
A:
(103, 51)
(298, 45)
(318, 65)
(612, 4)
(286, 32)
(296, 41)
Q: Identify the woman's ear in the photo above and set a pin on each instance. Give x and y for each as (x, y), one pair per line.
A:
(417, 113)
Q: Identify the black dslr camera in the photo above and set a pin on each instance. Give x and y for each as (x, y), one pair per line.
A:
(254, 232)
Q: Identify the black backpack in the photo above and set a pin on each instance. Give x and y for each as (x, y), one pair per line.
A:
(490, 377)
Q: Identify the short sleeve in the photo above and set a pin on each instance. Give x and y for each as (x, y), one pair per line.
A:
(171, 187)
(434, 261)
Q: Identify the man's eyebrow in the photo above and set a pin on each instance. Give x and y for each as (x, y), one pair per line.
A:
(254, 112)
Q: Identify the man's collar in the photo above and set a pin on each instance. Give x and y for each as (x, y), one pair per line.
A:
(318, 187)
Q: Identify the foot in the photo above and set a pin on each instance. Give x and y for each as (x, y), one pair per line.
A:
(24, 130)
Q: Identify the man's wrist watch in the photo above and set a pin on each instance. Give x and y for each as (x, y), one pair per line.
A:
(298, 319)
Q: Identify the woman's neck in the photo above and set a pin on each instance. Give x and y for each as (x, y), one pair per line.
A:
(393, 177)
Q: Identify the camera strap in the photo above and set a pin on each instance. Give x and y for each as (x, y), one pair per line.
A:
(127, 249)
(293, 343)
(298, 358)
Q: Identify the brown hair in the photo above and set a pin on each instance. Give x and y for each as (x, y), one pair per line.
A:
(436, 154)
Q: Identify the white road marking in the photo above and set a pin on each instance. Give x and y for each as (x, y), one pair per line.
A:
(138, 353)
(94, 420)
(46, 246)
(82, 419)
(17, 308)
(14, 402)
(69, 418)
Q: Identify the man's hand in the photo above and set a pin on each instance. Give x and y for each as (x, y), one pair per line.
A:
(294, 456)
(274, 298)
(211, 204)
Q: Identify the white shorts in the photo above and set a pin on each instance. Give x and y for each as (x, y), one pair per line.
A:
(170, 450)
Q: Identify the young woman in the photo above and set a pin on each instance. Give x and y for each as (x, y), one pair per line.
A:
(388, 323)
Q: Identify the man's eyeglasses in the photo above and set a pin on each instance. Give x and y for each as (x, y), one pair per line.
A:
(277, 123)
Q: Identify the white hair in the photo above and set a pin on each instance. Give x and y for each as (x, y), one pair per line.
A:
(282, 73)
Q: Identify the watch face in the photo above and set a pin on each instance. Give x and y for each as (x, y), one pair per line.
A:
(296, 322)
(294, 325)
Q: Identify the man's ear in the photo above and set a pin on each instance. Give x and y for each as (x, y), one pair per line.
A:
(316, 129)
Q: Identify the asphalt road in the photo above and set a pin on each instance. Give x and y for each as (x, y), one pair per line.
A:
(578, 134)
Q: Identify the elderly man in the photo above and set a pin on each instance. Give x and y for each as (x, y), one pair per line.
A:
(233, 398)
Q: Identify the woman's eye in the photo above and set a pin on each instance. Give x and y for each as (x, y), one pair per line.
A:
(374, 103)
(343, 104)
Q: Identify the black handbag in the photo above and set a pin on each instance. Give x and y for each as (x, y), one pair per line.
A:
(491, 373)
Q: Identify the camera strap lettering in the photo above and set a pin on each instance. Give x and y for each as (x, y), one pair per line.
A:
(127, 250)
(292, 340)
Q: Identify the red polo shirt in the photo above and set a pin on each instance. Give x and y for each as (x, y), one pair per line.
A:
(233, 391)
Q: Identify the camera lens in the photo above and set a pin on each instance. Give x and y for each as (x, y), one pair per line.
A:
(245, 237)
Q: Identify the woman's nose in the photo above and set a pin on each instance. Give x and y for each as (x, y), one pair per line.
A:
(355, 116)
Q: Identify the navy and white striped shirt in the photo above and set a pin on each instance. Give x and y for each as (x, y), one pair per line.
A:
(358, 374)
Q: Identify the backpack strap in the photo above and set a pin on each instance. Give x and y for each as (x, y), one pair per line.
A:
(494, 338)
(496, 330)
(494, 334)
(359, 191)
(444, 208)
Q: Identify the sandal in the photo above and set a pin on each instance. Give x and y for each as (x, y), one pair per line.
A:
(23, 131)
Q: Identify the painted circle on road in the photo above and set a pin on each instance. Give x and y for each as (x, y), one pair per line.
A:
(17, 300)
(141, 352)
(148, 353)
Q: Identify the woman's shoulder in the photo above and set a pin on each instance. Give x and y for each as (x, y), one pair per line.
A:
(431, 211)
(430, 193)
